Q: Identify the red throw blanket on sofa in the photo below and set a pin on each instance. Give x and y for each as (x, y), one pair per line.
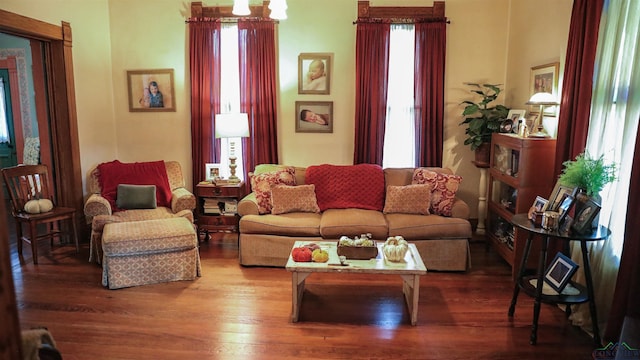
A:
(139, 173)
(347, 186)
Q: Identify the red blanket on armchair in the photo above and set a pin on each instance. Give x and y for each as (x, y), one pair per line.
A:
(139, 173)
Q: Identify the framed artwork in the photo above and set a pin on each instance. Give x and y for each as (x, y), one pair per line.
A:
(314, 73)
(540, 204)
(583, 219)
(560, 272)
(151, 90)
(563, 209)
(516, 115)
(559, 193)
(314, 116)
(212, 172)
(544, 78)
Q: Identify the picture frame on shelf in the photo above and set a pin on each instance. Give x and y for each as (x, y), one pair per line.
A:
(563, 209)
(516, 115)
(544, 78)
(314, 116)
(151, 90)
(558, 194)
(559, 272)
(314, 73)
(584, 219)
(540, 204)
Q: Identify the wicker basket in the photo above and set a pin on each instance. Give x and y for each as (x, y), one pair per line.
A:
(358, 252)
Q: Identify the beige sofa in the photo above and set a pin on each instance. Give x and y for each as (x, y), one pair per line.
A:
(267, 239)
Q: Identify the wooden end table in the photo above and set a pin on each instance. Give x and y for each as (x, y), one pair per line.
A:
(409, 270)
(522, 281)
(212, 222)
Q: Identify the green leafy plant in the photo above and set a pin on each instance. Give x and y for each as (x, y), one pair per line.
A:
(481, 118)
(588, 173)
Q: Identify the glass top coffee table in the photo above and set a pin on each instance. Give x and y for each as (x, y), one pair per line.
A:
(409, 270)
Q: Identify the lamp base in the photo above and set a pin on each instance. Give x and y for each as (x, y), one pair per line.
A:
(539, 133)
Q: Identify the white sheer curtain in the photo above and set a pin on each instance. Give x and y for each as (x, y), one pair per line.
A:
(4, 129)
(399, 138)
(230, 93)
(615, 112)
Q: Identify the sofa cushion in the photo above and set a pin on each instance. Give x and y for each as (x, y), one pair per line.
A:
(261, 184)
(300, 198)
(113, 173)
(291, 224)
(136, 196)
(347, 186)
(421, 227)
(352, 222)
(408, 199)
(444, 188)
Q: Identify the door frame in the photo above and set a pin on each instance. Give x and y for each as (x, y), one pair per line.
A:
(66, 170)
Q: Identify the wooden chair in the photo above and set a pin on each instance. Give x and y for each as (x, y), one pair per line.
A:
(29, 182)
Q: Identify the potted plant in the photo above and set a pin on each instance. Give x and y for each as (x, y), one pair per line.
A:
(483, 119)
(588, 174)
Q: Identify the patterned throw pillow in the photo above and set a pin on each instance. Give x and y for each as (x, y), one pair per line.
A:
(408, 199)
(444, 188)
(301, 198)
(261, 184)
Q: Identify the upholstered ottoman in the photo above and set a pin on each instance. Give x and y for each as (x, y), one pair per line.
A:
(149, 252)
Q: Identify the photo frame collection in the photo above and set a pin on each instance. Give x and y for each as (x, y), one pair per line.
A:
(314, 78)
(151, 90)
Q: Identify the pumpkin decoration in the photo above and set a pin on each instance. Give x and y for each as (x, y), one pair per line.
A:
(37, 206)
(395, 248)
(319, 255)
(301, 254)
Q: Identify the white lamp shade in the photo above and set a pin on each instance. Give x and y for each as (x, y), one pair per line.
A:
(241, 8)
(232, 125)
(542, 98)
(278, 9)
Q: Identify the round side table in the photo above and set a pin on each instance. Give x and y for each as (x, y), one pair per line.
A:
(522, 281)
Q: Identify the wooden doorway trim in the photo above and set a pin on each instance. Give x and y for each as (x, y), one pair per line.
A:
(63, 124)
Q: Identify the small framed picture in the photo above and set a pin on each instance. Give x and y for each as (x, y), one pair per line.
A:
(558, 195)
(540, 204)
(544, 78)
(516, 115)
(560, 272)
(583, 219)
(151, 90)
(212, 172)
(563, 209)
(314, 73)
(314, 116)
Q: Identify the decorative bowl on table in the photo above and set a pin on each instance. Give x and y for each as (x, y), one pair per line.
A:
(359, 248)
(395, 248)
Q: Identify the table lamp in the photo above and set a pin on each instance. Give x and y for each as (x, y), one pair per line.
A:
(543, 99)
(232, 126)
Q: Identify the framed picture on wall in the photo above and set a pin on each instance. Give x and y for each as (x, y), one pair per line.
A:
(151, 90)
(544, 78)
(314, 73)
(314, 116)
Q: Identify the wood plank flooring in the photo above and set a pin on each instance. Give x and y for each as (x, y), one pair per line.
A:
(235, 312)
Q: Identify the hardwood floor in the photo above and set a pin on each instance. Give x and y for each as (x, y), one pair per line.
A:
(235, 312)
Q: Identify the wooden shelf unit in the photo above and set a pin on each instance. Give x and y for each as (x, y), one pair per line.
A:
(520, 169)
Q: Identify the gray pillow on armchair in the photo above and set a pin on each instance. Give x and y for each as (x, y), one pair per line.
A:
(136, 196)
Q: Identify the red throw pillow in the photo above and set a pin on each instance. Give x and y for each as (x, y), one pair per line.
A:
(113, 173)
(444, 188)
(347, 186)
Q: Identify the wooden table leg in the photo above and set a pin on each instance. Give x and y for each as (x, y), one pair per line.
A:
(536, 304)
(592, 299)
(297, 290)
(523, 265)
(411, 290)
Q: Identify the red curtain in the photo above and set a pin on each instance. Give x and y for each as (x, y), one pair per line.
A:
(430, 49)
(372, 67)
(258, 92)
(204, 66)
(573, 123)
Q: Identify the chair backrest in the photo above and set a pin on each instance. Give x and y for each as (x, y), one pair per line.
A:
(174, 173)
(27, 182)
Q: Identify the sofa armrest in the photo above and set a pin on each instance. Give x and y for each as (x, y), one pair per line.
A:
(182, 199)
(248, 205)
(96, 205)
(460, 209)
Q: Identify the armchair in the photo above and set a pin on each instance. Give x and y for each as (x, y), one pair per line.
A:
(99, 211)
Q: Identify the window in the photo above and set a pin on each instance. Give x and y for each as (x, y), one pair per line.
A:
(4, 128)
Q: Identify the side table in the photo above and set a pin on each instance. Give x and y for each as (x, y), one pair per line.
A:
(522, 281)
(213, 222)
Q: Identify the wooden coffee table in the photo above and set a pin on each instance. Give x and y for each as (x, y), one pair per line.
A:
(409, 270)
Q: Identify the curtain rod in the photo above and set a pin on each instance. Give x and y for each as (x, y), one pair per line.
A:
(401, 20)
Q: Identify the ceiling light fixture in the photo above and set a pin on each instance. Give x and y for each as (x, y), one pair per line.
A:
(241, 8)
(278, 9)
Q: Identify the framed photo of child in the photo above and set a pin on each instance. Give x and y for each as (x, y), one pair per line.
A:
(314, 73)
(314, 116)
(151, 90)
